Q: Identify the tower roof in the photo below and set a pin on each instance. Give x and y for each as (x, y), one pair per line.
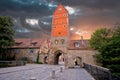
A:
(60, 9)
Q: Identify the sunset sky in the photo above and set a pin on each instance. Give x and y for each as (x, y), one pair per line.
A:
(32, 18)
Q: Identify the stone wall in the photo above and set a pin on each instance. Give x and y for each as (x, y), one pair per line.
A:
(86, 56)
(30, 54)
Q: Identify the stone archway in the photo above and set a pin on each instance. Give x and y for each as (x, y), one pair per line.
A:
(78, 61)
(59, 56)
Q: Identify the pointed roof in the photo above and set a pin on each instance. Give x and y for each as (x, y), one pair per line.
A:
(60, 9)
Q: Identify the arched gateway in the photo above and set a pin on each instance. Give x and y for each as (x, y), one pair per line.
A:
(59, 35)
(78, 61)
(59, 57)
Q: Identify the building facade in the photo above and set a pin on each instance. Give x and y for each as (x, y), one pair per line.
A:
(59, 48)
(28, 49)
(73, 51)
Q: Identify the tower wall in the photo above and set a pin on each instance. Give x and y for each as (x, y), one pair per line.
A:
(60, 41)
(59, 33)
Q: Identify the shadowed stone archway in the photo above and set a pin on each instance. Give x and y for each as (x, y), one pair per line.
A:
(59, 56)
(78, 61)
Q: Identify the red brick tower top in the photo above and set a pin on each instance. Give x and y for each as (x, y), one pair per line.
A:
(60, 23)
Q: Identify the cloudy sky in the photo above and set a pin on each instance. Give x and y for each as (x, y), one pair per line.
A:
(32, 18)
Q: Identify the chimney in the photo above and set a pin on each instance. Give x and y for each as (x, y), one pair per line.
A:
(82, 40)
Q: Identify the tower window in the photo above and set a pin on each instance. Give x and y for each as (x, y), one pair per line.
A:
(64, 15)
(60, 9)
(64, 25)
(59, 33)
(55, 16)
(54, 26)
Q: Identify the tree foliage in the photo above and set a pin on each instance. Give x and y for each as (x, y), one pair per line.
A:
(99, 38)
(6, 31)
(107, 42)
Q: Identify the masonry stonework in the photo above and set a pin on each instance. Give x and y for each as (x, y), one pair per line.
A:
(62, 45)
(74, 52)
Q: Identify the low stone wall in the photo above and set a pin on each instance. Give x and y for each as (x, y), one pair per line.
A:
(99, 73)
(12, 63)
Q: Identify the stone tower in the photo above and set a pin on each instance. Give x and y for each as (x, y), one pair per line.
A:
(60, 27)
(59, 34)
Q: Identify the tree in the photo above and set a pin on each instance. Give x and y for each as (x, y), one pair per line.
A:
(109, 48)
(100, 37)
(6, 32)
(6, 36)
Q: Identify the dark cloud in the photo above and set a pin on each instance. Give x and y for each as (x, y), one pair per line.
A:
(98, 4)
(25, 7)
(86, 14)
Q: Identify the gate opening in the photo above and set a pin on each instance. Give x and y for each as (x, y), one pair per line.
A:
(78, 61)
(59, 58)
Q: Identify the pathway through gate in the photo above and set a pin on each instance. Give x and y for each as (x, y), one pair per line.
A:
(43, 72)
